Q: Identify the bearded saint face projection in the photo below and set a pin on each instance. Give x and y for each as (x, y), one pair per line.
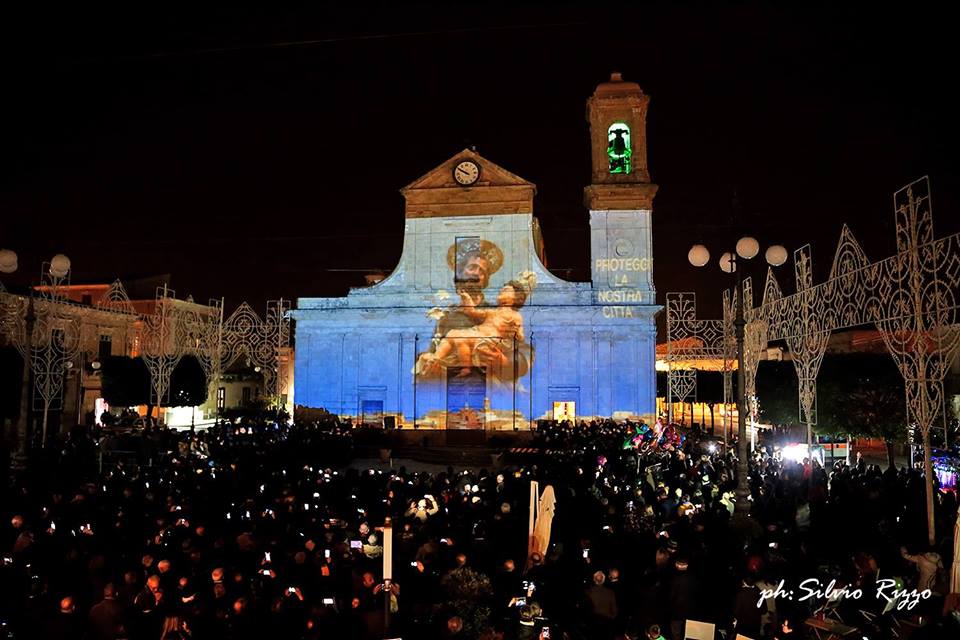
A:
(481, 328)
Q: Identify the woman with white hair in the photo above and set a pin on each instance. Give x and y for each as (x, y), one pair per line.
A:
(423, 508)
(929, 565)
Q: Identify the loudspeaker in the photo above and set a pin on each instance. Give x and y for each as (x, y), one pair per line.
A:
(389, 422)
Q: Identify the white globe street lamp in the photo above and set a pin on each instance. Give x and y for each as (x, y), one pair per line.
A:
(728, 262)
(8, 261)
(44, 367)
(698, 255)
(776, 255)
(59, 266)
(747, 248)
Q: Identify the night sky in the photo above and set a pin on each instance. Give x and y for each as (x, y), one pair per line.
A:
(259, 154)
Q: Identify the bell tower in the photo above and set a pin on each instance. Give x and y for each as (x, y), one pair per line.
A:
(620, 196)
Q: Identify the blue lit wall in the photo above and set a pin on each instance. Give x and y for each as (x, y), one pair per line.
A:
(587, 342)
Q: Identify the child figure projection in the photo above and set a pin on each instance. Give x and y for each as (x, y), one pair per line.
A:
(502, 322)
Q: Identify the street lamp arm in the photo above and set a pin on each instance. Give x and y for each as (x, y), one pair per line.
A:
(746, 248)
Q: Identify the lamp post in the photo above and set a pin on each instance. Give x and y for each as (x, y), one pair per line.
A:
(8, 264)
(51, 359)
(55, 359)
(747, 248)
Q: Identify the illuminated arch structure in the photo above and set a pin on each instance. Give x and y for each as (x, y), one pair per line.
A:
(68, 334)
(911, 297)
(471, 330)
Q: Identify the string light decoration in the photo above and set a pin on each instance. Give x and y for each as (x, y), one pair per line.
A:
(756, 335)
(729, 358)
(197, 330)
(161, 344)
(911, 297)
(691, 339)
(55, 334)
(264, 342)
(179, 328)
(56, 342)
(810, 344)
(112, 316)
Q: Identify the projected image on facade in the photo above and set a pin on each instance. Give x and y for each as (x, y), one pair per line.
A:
(467, 401)
(475, 331)
(478, 349)
(471, 330)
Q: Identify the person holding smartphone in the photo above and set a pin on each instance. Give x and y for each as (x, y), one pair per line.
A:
(529, 626)
(422, 509)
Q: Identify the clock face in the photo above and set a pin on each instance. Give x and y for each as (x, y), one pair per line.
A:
(466, 172)
(623, 247)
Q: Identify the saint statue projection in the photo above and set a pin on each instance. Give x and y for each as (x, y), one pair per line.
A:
(476, 331)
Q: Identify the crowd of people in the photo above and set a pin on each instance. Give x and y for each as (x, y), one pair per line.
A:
(245, 531)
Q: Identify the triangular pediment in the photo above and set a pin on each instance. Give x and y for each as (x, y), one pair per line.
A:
(491, 175)
(496, 191)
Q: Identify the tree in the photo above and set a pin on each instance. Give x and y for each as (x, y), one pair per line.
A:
(710, 392)
(778, 392)
(468, 594)
(862, 395)
(11, 379)
(188, 384)
(125, 382)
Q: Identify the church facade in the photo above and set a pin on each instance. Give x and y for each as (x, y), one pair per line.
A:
(470, 330)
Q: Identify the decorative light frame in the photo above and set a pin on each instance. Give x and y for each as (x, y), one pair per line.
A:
(911, 297)
(690, 339)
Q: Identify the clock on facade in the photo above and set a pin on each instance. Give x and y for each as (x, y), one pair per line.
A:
(466, 172)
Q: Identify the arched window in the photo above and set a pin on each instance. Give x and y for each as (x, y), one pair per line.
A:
(618, 147)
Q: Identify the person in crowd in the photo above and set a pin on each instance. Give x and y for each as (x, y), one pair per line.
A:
(262, 527)
(67, 624)
(683, 597)
(602, 602)
(106, 617)
(527, 627)
(929, 567)
(748, 609)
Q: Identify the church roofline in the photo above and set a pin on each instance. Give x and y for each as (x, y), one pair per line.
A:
(512, 179)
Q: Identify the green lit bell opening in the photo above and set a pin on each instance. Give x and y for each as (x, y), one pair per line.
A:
(618, 148)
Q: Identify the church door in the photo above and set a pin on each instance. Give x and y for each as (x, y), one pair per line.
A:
(466, 395)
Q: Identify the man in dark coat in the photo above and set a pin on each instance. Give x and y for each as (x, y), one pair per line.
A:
(683, 595)
(746, 614)
(106, 617)
(602, 602)
(67, 624)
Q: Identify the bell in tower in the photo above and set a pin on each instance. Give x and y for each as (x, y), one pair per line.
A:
(617, 113)
(618, 149)
(620, 196)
